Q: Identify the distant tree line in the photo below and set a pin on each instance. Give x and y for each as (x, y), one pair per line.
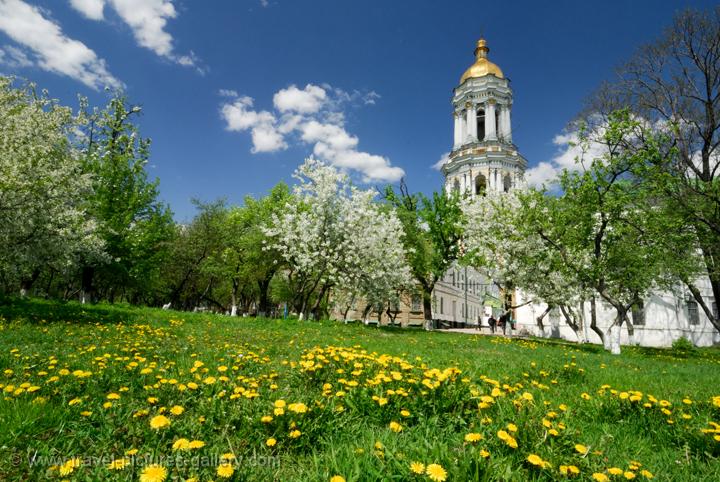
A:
(79, 218)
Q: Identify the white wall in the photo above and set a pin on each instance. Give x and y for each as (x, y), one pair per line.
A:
(666, 320)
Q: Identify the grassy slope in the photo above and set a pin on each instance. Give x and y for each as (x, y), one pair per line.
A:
(105, 340)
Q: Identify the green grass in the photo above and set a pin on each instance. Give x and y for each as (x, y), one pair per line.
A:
(343, 434)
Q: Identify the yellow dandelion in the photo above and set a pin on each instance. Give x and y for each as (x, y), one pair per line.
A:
(118, 464)
(512, 427)
(196, 444)
(225, 470)
(629, 475)
(395, 427)
(615, 471)
(473, 437)
(271, 442)
(295, 434)
(337, 478)
(69, 466)
(535, 460)
(181, 444)
(647, 474)
(159, 421)
(153, 473)
(581, 449)
(417, 468)
(600, 477)
(177, 410)
(436, 472)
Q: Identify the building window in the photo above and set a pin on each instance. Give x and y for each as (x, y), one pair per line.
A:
(480, 185)
(638, 314)
(416, 303)
(693, 315)
(507, 183)
(442, 306)
(715, 309)
(453, 278)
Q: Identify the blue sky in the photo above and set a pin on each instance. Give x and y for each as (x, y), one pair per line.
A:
(372, 79)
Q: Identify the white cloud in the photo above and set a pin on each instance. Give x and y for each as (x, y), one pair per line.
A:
(14, 58)
(568, 153)
(147, 19)
(239, 116)
(53, 50)
(313, 114)
(442, 161)
(92, 9)
(227, 93)
(306, 101)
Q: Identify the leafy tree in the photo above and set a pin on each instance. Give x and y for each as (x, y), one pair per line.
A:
(432, 229)
(603, 226)
(42, 188)
(673, 85)
(134, 225)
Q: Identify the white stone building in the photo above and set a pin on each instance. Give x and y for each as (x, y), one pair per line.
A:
(484, 161)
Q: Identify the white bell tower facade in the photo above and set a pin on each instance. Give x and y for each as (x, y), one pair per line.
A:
(483, 160)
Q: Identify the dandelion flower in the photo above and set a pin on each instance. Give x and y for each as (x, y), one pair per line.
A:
(615, 471)
(177, 410)
(68, 467)
(153, 473)
(295, 434)
(270, 442)
(395, 427)
(196, 444)
(225, 470)
(484, 453)
(436, 472)
(473, 437)
(581, 449)
(337, 478)
(181, 444)
(118, 464)
(417, 467)
(600, 477)
(159, 421)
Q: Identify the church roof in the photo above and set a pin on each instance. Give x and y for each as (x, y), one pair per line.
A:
(482, 65)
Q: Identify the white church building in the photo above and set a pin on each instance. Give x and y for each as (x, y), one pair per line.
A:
(485, 162)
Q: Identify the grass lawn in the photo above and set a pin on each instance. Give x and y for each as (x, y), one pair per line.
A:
(119, 393)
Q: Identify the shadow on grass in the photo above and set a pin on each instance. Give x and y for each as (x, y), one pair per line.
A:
(35, 310)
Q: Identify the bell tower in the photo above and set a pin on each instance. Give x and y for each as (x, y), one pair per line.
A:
(484, 159)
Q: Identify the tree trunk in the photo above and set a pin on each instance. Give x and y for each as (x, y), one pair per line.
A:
(540, 318)
(86, 289)
(264, 295)
(593, 320)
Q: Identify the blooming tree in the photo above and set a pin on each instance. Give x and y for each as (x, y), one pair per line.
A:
(42, 188)
(499, 240)
(332, 235)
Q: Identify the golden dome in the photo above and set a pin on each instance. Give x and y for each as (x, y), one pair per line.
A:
(482, 65)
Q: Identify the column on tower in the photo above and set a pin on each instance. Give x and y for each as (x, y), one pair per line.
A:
(458, 130)
(506, 129)
(490, 127)
(471, 123)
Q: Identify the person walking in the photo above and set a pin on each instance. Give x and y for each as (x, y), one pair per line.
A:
(492, 322)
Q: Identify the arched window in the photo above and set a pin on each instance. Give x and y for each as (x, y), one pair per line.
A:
(456, 186)
(481, 125)
(480, 185)
(507, 183)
